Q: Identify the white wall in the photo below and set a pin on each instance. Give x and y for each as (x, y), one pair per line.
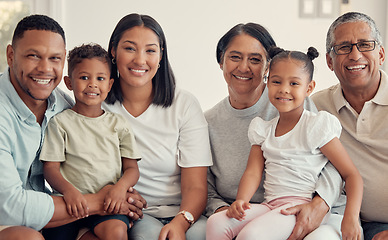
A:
(193, 29)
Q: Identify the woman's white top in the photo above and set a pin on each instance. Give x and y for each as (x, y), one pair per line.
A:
(168, 139)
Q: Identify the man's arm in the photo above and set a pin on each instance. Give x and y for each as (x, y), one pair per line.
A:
(329, 185)
(132, 208)
(19, 206)
(61, 215)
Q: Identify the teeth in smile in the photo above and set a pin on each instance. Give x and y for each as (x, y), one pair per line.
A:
(42, 81)
(138, 71)
(357, 67)
(284, 99)
(242, 78)
(92, 94)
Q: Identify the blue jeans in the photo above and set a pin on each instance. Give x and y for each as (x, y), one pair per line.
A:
(149, 228)
(373, 228)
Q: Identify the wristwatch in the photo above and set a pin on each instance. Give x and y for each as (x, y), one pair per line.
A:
(188, 216)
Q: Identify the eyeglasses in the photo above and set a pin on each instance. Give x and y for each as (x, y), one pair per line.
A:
(363, 46)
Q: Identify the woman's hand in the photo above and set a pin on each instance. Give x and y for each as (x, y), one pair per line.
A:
(134, 205)
(138, 200)
(175, 230)
(381, 235)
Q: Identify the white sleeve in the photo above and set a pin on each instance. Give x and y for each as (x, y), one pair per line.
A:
(257, 131)
(193, 144)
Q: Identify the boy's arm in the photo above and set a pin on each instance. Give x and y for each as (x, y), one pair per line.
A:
(116, 196)
(130, 174)
(95, 203)
(77, 205)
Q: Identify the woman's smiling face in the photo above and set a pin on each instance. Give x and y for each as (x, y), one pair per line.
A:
(244, 65)
(137, 56)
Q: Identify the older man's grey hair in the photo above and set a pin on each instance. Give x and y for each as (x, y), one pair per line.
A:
(348, 18)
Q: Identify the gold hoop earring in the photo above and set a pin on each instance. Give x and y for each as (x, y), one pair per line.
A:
(113, 60)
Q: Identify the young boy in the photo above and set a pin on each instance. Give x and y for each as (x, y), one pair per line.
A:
(87, 148)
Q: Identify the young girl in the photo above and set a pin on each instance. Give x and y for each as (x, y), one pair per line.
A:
(293, 148)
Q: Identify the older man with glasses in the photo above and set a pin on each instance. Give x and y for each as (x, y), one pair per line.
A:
(360, 101)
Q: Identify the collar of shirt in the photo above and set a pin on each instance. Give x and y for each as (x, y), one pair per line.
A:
(381, 98)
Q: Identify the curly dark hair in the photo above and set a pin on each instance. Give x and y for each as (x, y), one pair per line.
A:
(86, 51)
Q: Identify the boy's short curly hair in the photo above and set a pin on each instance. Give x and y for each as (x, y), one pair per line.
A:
(86, 51)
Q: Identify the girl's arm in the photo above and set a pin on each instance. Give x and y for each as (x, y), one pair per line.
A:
(338, 156)
(253, 173)
(76, 203)
(117, 195)
(194, 197)
(249, 183)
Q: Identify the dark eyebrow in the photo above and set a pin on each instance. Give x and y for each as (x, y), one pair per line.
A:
(88, 73)
(235, 52)
(148, 45)
(294, 78)
(256, 55)
(33, 50)
(250, 54)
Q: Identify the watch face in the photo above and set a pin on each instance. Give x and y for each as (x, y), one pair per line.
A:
(189, 216)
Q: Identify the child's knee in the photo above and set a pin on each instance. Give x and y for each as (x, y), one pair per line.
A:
(214, 222)
(218, 227)
(112, 229)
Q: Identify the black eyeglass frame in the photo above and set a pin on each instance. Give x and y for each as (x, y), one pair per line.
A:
(333, 48)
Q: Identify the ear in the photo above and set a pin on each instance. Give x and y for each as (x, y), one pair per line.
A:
(111, 81)
(310, 88)
(329, 61)
(266, 69)
(161, 54)
(382, 55)
(222, 61)
(68, 83)
(10, 55)
(113, 52)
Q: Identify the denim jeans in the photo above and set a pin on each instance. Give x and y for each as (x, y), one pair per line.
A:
(149, 228)
(373, 228)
